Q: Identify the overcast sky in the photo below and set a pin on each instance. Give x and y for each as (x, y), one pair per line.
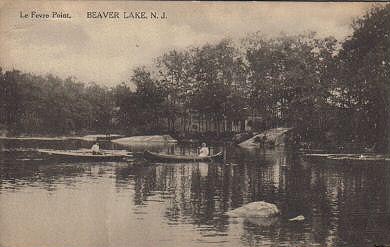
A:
(105, 51)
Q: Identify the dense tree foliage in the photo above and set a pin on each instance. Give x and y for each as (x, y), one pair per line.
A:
(290, 79)
(50, 105)
(330, 92)
(362, 92)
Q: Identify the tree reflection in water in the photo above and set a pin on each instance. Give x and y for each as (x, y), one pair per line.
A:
(343, 205)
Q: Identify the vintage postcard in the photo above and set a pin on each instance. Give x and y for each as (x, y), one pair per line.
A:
(194, 124)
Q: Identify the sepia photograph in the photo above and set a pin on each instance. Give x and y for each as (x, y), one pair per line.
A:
(194, 124)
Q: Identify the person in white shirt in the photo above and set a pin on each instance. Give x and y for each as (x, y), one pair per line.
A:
(204, 150)
(95, 149)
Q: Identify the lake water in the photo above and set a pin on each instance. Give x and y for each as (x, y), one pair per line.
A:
(52, 204)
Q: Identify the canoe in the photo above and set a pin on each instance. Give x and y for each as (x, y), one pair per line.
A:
(86, 155)
(360, 159)
(350, 158)
(180, 158)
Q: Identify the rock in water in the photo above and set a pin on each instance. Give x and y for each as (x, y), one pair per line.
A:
(262, 221)
(255, 210)
(298, 218)
(275, 136)
(154, 139)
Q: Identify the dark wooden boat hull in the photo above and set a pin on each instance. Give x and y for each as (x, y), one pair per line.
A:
(348, 158)
(84, 157)
(98, 158)
(156, 157)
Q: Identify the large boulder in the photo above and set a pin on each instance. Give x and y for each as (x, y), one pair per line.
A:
(240, 137)
(153, 139)
(100, 136)
(255, 210)
(271, 137)
(262, 222)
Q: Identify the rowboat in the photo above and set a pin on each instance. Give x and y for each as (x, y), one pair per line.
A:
(350, 158)
(87, 155)
(180, 158)
(360, 159)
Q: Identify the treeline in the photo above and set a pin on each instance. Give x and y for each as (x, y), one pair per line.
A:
(329, 91)
(31, 104)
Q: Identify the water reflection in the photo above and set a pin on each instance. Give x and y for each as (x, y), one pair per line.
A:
(184, 204)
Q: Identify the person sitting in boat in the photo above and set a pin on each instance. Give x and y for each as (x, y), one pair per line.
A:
(204, 150)
(95, 149)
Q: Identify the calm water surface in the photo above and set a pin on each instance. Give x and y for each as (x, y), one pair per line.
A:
(50, 204)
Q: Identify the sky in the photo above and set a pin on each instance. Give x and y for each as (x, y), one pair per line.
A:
(106, 50)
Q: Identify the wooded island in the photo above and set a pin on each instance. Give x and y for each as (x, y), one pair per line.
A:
(330, 92)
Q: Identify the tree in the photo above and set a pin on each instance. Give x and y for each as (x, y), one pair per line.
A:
(173, 68)
(143, 109)
(364, 69)
(289, 78)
